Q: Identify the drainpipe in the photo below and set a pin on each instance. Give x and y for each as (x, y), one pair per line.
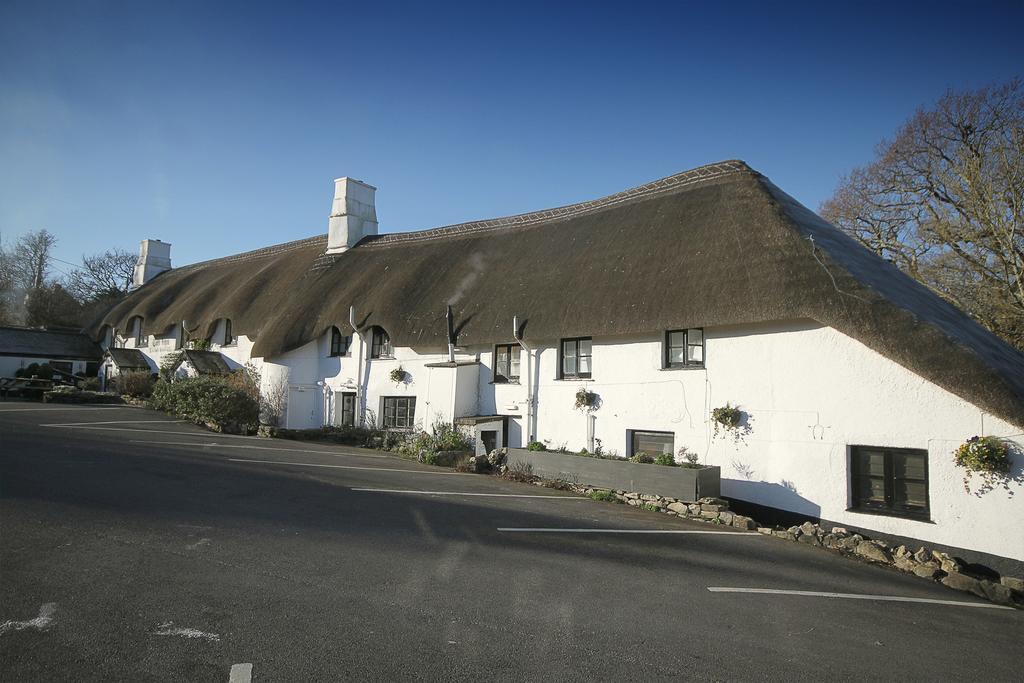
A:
(529, 376)
(360, 413)
(451, 335)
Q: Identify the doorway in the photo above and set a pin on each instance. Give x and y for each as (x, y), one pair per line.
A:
(348, 409)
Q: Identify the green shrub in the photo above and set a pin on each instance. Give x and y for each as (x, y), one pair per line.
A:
(89, 384)
(208, 400)
(665, 459)
(649, 507)
(536, 446)
(445, 437)
(643, 457)
(136, 384)
(605, 496)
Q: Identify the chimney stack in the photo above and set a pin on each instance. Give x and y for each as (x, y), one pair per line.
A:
(353, 214)
(154, 258)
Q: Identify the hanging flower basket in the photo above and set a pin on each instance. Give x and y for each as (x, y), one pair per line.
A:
(587, 401)
(398, 375)
(987, 456)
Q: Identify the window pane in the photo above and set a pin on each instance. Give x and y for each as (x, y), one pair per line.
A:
(676, 355)
(909, 466)
(912, 493)
(677, 339)
(568, 358)
(872, 463)
(695, 354)
(652, 442)
(584, 365)
(514, 364)
(871, 490)
(695, 336)
(585, 347)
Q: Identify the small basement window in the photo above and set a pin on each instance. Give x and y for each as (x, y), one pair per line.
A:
(229, 338)
(506, 363)
(381, 346)
(340, 343)
(655, 443)
(575, 360)
(684, 348)
(398, 412)
(889, 481)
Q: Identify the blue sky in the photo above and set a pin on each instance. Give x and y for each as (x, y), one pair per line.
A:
(220, 126)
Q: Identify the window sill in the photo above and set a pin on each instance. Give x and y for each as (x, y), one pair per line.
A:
(382, 357)
(574, 379)
(683, 368)
(514, 383)
(887, 513)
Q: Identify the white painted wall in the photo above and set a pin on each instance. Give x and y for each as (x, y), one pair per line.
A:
(810, 391)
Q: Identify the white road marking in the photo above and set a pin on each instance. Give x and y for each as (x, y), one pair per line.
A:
(263, 448)
(240, 673)
(41, 622)
(66, 408)
(202, 435)
(167, 629)
(462, 493)
(353, 467)
(627, 531)
(854, 596)
(108, 422)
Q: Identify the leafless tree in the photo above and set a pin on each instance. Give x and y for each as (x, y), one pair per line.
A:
(102, 276)
(944, 201)
(30, 259)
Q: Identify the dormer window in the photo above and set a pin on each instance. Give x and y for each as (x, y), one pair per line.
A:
(684, 348)
(381, 344)
(137, 333)
(339, 343)
(229, 338)
(575, 357)
(506, 363)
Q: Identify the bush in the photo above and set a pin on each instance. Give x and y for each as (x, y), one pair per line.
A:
(643, 458)
(536, 446)
(445, 437)
(207, 400)
(665, 459)
(43, 371)
(604, 495)
(136, 384)
(89, 384)
(520, 471)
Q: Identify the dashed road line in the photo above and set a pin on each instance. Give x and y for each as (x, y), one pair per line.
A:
(556, 530)
(262, 448)
(855, 596)
(463, 493)
(352, 467)
(109, 422)
(240, 673)
(41, 622)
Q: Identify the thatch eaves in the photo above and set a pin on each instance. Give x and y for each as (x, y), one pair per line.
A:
(717, 245)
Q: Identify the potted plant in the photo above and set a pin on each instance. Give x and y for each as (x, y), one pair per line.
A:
(987, 456)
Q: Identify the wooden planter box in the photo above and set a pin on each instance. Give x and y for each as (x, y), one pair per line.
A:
(684, 483)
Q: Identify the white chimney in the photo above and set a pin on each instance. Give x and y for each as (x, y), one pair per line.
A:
(353, 214)
(154, 258)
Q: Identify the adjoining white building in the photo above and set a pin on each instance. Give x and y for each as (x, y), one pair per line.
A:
(70, 353)
(668, 300)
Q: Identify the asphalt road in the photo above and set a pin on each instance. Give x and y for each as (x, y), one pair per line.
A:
(135, 547)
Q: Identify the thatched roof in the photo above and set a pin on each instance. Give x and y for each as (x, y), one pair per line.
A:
(716, 245)
(53, 344)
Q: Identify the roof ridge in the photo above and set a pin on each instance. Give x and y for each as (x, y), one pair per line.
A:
(262, 252)
(664, 185)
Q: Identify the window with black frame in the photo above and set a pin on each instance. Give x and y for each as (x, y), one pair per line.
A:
(340, 343)
(684, 348)
(506, 363)
(576, 358)
(654, 443)
(380, 346)
(140, 336)
(229, 338)
(398, 412)
(889, 481)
